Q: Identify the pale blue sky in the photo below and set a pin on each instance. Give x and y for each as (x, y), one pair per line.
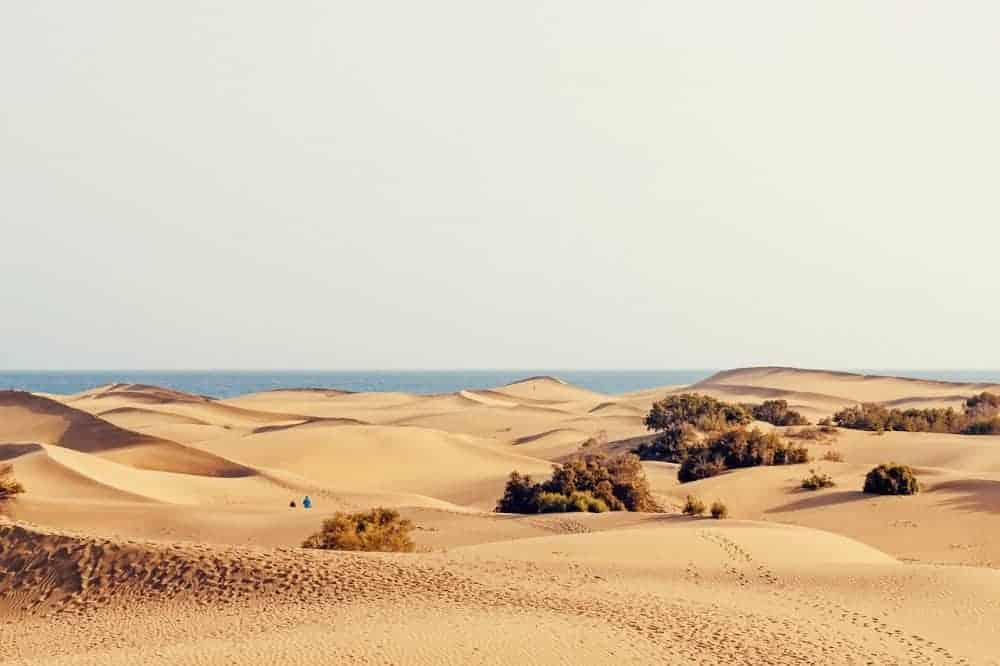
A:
(508, 184)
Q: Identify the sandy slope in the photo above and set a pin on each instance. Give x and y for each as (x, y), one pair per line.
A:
(168, 513)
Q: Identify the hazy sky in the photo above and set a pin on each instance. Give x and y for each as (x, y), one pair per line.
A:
(518, 184)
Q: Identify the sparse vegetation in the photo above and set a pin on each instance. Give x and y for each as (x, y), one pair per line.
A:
(810, 434)
(816, 481)
(590, 482)
(981, 416)
(777, 413)
(719, 510)
(833, 456)
(693, 506)
(891, 479)
(9, 486)
(376, 530)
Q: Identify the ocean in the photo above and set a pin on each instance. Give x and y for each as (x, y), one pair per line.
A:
(230, 383)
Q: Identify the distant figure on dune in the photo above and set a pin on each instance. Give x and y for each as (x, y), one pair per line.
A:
(291, 504)
(306, 502)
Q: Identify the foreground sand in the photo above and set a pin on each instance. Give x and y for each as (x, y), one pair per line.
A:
(156, 529)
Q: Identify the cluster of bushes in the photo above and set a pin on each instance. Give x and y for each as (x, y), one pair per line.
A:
(833, 456)
(892, 479)
(593, 483)
(376, 530)
(981, 416)
(777, 413)
(693, 506)
(9, 486)
(737, 448)
(727, 445)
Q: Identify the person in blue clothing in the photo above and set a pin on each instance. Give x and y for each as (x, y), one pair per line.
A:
(306, 502)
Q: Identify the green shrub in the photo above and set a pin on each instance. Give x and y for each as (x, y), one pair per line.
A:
(9, 486)
(825, 421)
(833, 456)
(376, 530)
(693, 506)
(579, 501)
(777, 413)
(737, 448)
(983, 426)
(984, 404)
(719, 510)
(701, 465)
(891, 479)
(698, 411)
(815, 481)
(592, 481)
(672, 445)
(981, 416)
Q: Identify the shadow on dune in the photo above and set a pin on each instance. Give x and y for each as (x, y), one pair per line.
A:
(11, 451)
(819, 501)
(977, 495)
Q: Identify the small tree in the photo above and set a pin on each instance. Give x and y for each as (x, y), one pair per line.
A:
(892, 479)
(719, 510)
(9, 486)
(376, 530)
(693, 506)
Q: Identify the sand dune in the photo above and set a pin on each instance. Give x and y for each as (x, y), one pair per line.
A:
(169, 511)
(687, 594)
(28, 418)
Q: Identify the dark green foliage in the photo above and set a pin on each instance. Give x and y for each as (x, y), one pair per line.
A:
(738, 448)
(700, 465)
(591, 482)
(693, 506)
(984, 404)
(719, 510)
(9, 486)
(891, 479)
(379, 530)
(980, 417)
(815, 481)
(777, 413)
(671, 445)
(983, 427)
(696, 410)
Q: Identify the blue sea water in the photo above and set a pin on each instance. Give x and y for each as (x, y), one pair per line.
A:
(230, 383)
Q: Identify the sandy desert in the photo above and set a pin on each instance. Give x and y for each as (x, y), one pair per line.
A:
(156, 528)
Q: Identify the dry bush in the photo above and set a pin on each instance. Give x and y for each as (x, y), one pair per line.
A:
(892, 479)
(816, 434)
(815, 481)
(776, 412)
(833, 456)
(693, 506)
(580, 501)
(9, 486)
(376, 530)
(719, 510)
